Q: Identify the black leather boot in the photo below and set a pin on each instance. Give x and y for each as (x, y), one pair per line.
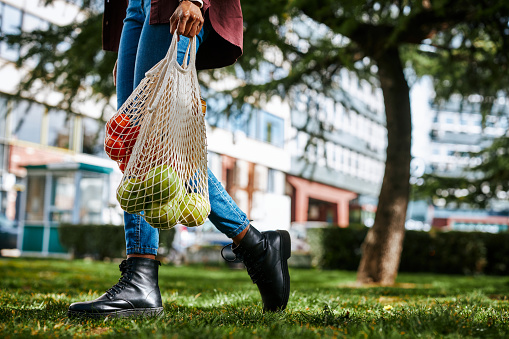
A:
(266, 258)
(136, 293)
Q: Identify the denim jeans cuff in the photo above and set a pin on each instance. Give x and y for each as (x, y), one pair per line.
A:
(141, 250)
(238, 230)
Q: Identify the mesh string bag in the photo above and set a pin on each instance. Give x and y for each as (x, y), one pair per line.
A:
(165, 178)
(123, 129)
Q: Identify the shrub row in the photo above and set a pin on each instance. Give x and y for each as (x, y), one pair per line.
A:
(439, 252)
(101, 241)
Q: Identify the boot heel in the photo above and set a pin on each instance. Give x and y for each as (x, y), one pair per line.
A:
(286, 244)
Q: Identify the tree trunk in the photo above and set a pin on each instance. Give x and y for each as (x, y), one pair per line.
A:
(381, 250)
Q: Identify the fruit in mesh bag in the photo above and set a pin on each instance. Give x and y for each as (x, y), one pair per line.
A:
(203, 106)
(130, 137)
(117, 124)
(131, 195)
(163, 184)
(194, 209)
(122, 164)
(163, 215)
(114, 147)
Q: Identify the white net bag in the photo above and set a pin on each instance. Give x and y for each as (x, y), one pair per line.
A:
(123, 128)
(165, 177)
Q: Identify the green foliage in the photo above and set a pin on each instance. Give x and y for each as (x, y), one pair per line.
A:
(68, 60)
(481, 184)
(438, 252)
(463, 45)
(101, 241)
(448, 252)
(470, 57)
(203, 302)
(336, 248)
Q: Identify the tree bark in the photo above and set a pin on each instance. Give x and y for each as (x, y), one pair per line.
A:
(381, 250)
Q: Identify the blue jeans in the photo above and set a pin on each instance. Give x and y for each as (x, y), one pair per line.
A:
(141, 47)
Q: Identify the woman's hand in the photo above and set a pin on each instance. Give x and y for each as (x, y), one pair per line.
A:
(187, 20)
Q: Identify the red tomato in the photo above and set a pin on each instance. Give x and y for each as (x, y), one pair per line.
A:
(114, 147)
(130, 137)
(117, 124)
(122, 165)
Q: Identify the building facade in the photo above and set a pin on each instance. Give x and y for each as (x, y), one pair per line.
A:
(457, 133)
(53, 168)
(338, 156)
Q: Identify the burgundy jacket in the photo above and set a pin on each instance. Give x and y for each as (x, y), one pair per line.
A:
(222, 47)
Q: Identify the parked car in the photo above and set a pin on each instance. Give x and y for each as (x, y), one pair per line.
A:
(8, 233)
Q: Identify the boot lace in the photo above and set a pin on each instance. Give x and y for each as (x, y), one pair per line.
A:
(126, 270)
(256, 273)
(254, 269)
(222, 253)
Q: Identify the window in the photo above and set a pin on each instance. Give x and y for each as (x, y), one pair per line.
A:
(27, 121)
(271, 181)
(339, 157)
(91, 199)
(339, 116)
(10, 19)
(346, 159)
(32, 23)
(272, 129)
(35, 199)
(268, 132)
(60, 129)
(63, 193)
(93, 137)
(330, 154)
(3, 116)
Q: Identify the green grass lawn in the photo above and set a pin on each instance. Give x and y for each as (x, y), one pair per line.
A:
(213, 302)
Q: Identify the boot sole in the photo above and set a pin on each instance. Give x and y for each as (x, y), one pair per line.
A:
(286, 253)
(138, 312)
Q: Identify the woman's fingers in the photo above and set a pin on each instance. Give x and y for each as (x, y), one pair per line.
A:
(198, 27)
(183, 20)
(191, 28)
(187, 20)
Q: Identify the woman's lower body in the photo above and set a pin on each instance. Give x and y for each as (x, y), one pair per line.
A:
(141, 47)
(265, 254)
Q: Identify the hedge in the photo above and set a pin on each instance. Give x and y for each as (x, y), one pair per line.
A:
(439, 252)
(101, 241)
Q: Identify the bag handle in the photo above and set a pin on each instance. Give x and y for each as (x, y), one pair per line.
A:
(171, 59)
(164, 61)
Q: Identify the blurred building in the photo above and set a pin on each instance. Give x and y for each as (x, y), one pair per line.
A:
(52, 165)
(337, 147)
(247, 152)
(53, 168)
(457, 131)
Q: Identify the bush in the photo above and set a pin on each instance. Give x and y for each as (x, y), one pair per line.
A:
(101, 241)
(335, 247)
(438, 252)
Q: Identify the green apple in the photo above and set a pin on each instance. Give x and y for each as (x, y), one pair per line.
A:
(194, 209)
(163, 215)
(163, 184)
(131, 195)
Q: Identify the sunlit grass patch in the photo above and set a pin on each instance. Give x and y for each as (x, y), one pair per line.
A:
(216, 302)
